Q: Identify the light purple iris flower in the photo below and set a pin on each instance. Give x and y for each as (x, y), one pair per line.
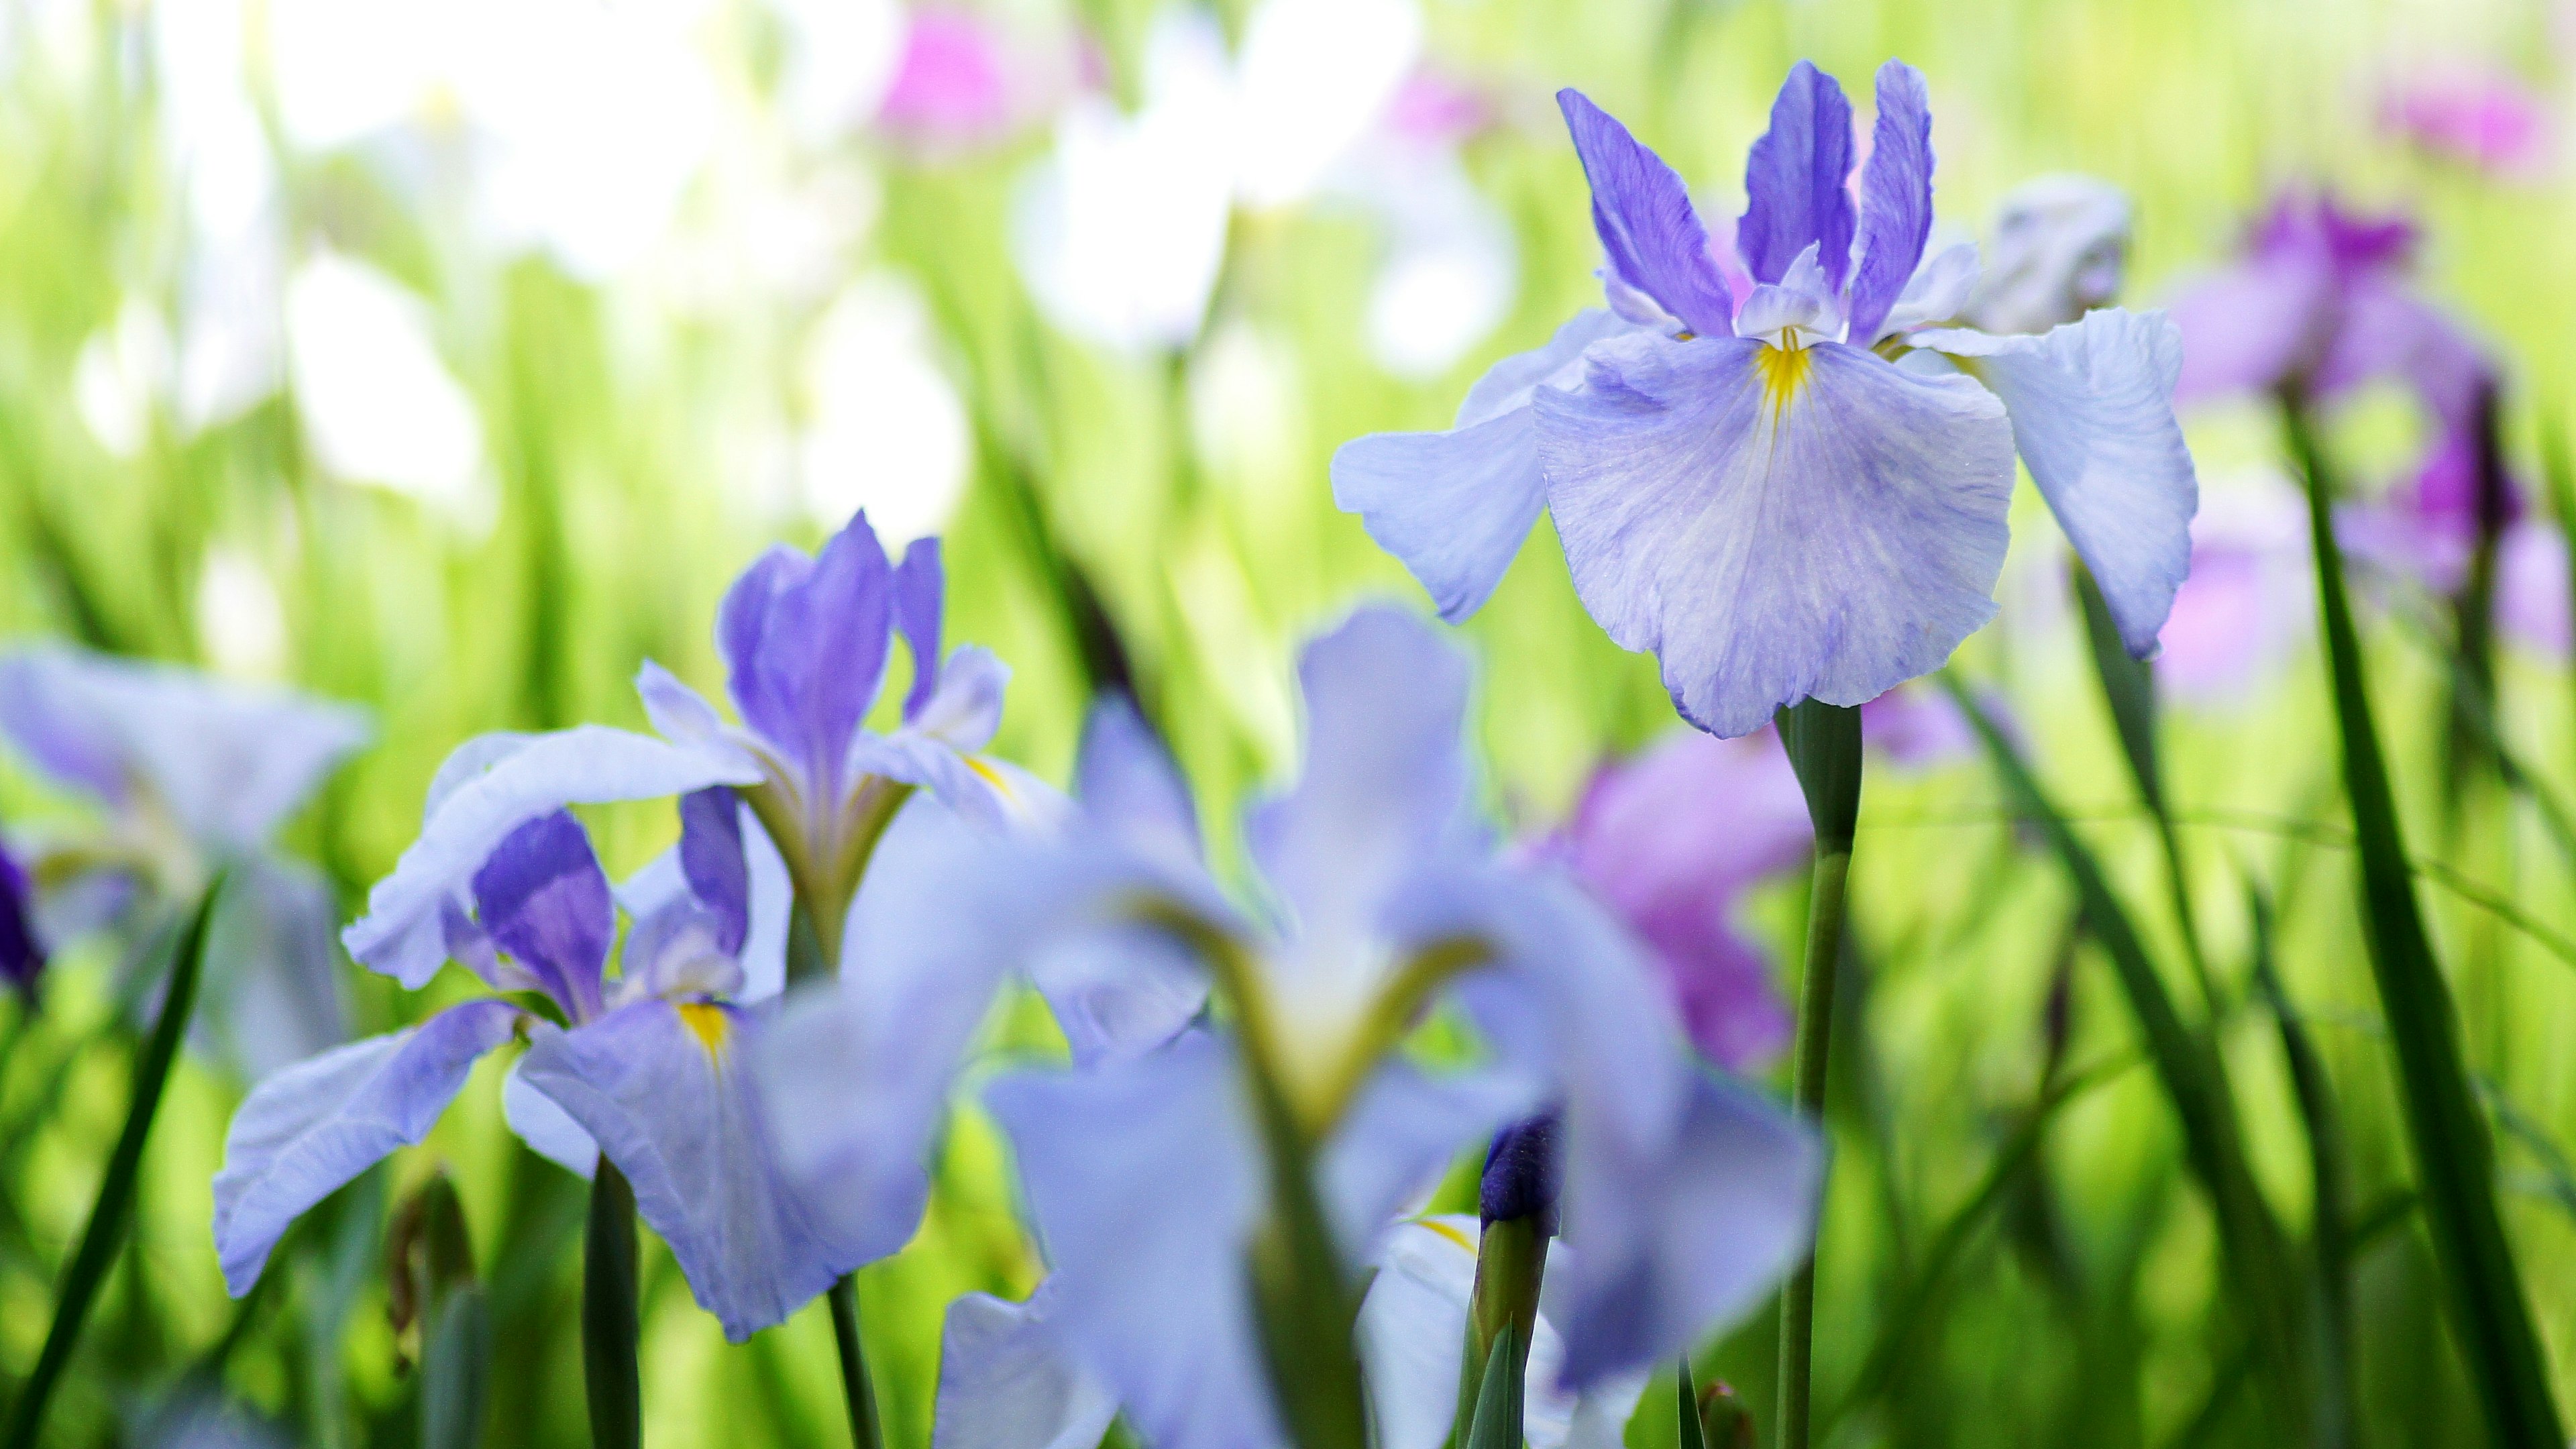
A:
(1760, 493)
(2487, 118)
(1686, 1197)
(2249, 599)
(645, 1066)
(953, 86)
(22, 955)
(1670, 840)
(191, 774)
(806, 641)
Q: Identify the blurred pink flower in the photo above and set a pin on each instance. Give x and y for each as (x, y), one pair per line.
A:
(2245, 604)
(2532, 600)
(952, 86)
(2485, 118)
(1916, 726)
(1670, 839)
(1436, 111)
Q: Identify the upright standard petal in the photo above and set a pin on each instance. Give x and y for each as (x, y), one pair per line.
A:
(1643, 213)
(1793, 181)
(660, 1087)
(1145, 1186)
(1896, 198)
(806, 640)
(2091, 405)
(543, 898)
(714, 863)
(1669, 1244)
(1005, 1383)
(920, 588)
(403, 935)
(310, 1128)
(1455, 507)
(1774, 525)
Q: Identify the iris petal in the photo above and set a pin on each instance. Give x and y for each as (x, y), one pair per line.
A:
(1775, 534)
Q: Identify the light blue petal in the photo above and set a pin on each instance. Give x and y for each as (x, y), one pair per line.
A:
(308, 1129)
(1401, 1134)
(661, 1088)
(1004, 1382)
(2092, 412)
(506, 784)
(1896, 197)
(271, 994)
(1820, 525)
(1671, 1241)
(1455, 507)
(1131, 788)
(1145, 1185)
(1413, 1330)
(545, 1127)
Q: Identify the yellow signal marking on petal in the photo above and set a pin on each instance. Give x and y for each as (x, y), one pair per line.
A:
(992, 777)
(707, 1022)
(1452, 1234)
(1784, 371)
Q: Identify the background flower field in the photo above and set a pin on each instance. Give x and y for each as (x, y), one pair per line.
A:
(450, 360)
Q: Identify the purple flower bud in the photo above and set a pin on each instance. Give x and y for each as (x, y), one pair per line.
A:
(1522, 1170)
(22, 957)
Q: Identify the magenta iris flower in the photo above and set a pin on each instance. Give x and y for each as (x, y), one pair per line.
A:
(1802, 495)
(2481, 117)
(952, 88)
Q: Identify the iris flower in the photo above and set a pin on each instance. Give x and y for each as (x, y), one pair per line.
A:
(1006, 1383)
(806, 641)
(191, 775)
(1687, 1197)
(1804, 495)
(646, 1064)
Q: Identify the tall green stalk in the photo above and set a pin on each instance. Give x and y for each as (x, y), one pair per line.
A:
(609, 1313)
(1823, 741)
(113, 1212)
(2454, 1155)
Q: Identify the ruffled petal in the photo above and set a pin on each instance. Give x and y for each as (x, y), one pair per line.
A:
(1793, 181)
(1777, 526)
(1145, 1186)
(661, 1088)
(1896, 197)
(1004, 1382)
(2092, 412)
(1455, 507)
(312, 1127)
(548, 1130)
(1940, 290)
(1643, 213)
(509, 782)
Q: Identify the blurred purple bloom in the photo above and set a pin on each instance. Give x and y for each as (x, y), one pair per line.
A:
(1686, 1198)
(1433, 110)
(1918, 727)
(2479, 116)
(191, 774)
(22, 956)
(806, 641)
(952, 88)
(646, 1067)
(1751, 489)
(2248, 601)
(2532, 599)
(1670, 840)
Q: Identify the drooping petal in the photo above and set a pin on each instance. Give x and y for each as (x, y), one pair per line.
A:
(806, 641)
(662, 1089)
(1456, 506)
(1643, 214)
(308, 1129)
(402, 933)
(1777, 526)
(920, 586)
(1145, 1185)
(1896, 197)
(543, 898)
(1005, 1383)
(271, 993)
(45, 710)
(1669, 1244)
(2091, 405)
(1130, 786)
(1793, 181)
(548, 1130)
(1404, 1130)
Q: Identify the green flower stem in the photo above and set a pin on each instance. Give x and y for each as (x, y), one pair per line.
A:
(2454, 1155)
(113, 1212)
(1823, 741)
(609, 1313)
(866, 1432)
(1511, 1264)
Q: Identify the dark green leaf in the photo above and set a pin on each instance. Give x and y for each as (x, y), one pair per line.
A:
(1691, 1436)
(609, 1313)
(1497, 1424)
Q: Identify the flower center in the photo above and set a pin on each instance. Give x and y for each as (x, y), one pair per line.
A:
(1784, 370)
(707, 1022)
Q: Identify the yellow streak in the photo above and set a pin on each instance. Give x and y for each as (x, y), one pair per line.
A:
(1452, 1234)
(1784, 371)
(706, 1021)
(991, 776)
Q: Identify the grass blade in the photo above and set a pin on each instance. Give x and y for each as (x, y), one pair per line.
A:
(2454, 1155)
(2195, 1082)
(2314, 1091)
(1688, 1432)
(113, 1213)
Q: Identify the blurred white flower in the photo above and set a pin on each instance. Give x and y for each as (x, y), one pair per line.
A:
(120, 376)
(585, 120)
(240, 622)
(1121, 232)
(840, 57)
(1245, 404)
(884, 429)
(1452, 266)
(378, 404)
